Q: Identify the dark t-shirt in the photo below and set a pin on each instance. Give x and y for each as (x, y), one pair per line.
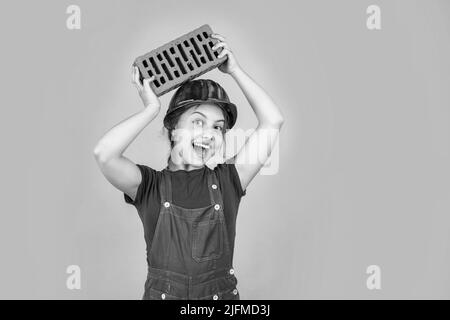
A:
(189, 190)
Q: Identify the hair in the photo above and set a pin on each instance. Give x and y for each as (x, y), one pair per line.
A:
(174, 117)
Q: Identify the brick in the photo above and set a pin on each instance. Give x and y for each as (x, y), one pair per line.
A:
(180, 60)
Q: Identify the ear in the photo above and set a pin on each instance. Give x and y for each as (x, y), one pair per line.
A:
(172, 131)
(173, 136)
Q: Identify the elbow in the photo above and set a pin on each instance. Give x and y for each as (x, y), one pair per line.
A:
(102, 155)
(277, 123)
(99, 155)
(281, 119)
(277, 120)
(272, 124)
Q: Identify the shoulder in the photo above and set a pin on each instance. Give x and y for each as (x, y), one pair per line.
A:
(149, 175)
(229, 177)
(148, 187)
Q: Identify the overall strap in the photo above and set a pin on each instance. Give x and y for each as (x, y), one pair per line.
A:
(168, 187)
(166, 196)
(165, 187)
(215, 194)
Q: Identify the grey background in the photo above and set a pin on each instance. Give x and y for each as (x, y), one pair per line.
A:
(364, 153)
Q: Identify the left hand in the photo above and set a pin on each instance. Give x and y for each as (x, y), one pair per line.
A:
(230, 65)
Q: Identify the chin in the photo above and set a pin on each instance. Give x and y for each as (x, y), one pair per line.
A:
(194, 160)
(201, 161)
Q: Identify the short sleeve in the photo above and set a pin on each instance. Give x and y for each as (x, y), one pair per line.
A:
(148, 179)
(236, 180)
(229, 175)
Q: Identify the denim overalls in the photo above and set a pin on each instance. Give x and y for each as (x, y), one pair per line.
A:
(190, 256)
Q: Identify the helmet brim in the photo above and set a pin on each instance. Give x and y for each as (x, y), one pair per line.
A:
(229, 108)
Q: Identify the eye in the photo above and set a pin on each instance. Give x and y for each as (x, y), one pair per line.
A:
(220, 128)
(198, 122)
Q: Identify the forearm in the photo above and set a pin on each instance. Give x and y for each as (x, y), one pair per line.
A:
(116, 140)
(266, 111)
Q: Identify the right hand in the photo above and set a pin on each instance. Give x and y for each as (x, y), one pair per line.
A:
(147, 94)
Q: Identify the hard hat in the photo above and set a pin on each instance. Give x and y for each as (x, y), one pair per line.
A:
(201, 91)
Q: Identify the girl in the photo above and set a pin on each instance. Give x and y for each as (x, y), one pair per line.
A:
(188, 209)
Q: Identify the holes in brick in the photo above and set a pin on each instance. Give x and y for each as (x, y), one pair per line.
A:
(203, 60)
(215, 53)
(150, 73)
(176, 73)
(156, 82)
(195, 59)
(197, 49)
(159, 57)
(155, 66)
(144, 62)
(183, 54)
(211, 44)
(172, 50)
(162, 80)
(186, 44)
(208, 53)
(205, 35)
(168, 58)
(167, 72)
(180, 65)
(191, 67)
(199, 37)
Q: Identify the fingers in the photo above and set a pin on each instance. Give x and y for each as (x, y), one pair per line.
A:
(221, 44)
(147, 83)
(221, 39)
(134, 72)
(218, 36)
(224, 51)
(135, 78)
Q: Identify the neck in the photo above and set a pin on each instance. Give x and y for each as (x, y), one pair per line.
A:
(171, 166)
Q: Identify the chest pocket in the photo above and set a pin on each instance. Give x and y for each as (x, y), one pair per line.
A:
(207, 240)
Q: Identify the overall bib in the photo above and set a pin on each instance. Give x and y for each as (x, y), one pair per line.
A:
(190, 256)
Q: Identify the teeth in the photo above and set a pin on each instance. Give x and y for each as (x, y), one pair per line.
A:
(201, 145)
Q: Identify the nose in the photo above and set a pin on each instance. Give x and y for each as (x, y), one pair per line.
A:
(207, 139)
(207, 136)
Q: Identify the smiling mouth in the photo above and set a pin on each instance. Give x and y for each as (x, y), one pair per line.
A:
(200, 149)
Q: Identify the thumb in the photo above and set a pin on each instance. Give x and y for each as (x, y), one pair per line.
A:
(147, 81)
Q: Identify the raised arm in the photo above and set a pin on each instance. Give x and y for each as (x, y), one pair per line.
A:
(258, 147)
(270, 119)
(108, 152)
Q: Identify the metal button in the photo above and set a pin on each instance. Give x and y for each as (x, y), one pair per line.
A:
(163, 295)
(217, 207)
(231, 271)
(235, 291)
(214, 186)
(166, 204)
(215, 297)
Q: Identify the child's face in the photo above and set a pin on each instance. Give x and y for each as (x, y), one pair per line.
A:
(198, 135)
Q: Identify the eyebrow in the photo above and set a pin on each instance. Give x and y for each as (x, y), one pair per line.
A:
(206, 116)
